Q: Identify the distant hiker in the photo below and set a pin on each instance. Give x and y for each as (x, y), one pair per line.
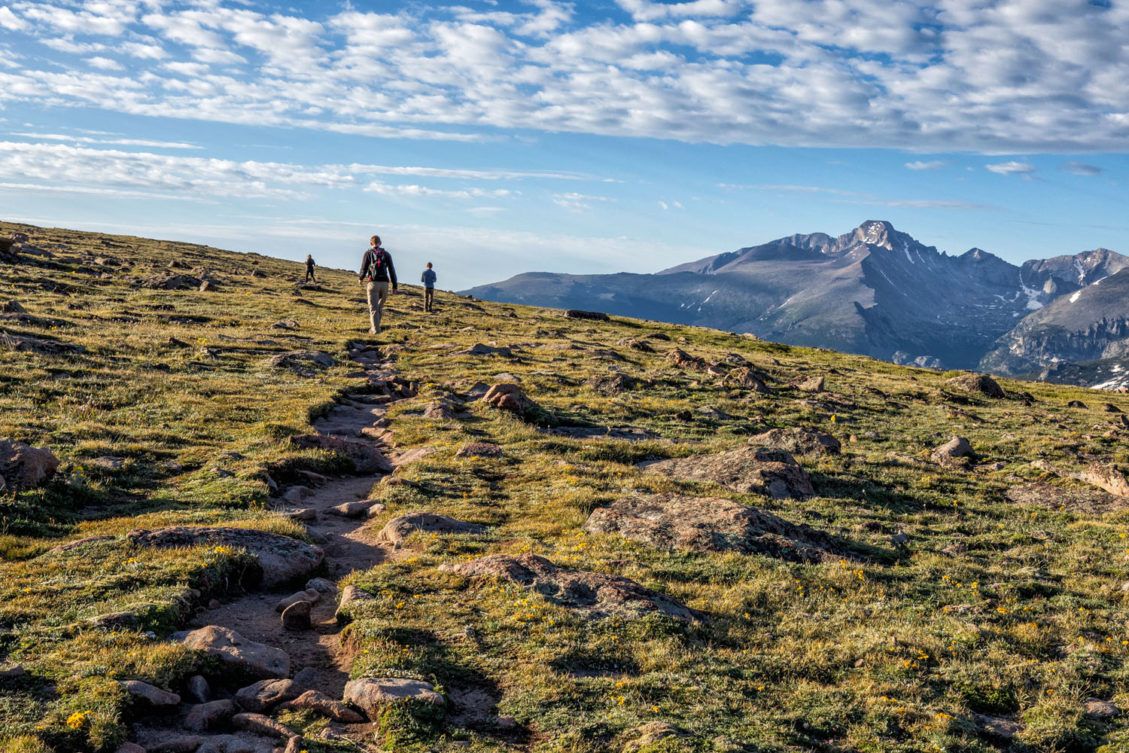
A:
(428, 280)
(310, 268)
(377, 271)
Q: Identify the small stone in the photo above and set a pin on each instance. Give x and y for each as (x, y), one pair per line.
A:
(1076, 404)
(321, 585)
(198, 689)
(206, 716)
(297, 616)
(296, 494)
(214, 604)
(957, 451)
(1095, 708)
(355, 509)
(373, 695)
(310, 595)
(150, 693)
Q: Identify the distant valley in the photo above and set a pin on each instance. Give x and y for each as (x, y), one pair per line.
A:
(878, 291)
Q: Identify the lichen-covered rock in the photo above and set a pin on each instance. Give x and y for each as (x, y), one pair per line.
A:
(151, 694)
(239, 653)
(748, 469)
(281, 559)
(799, 440)
(745, 378)
(25, 467)
(509, 397)
(320, 703)
(957, 451)
(597, 594)
(400, 527)
(264, 695)
(680, 359)
(479, 450)
(1106, 477)
(709, 524)
(374, 695)
(614, 383)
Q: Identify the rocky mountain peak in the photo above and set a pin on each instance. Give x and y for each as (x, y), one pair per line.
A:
(878, 233)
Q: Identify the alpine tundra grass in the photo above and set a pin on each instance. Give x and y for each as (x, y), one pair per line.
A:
(963, 616)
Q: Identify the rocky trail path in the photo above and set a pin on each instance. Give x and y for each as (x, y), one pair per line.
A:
(334, 510)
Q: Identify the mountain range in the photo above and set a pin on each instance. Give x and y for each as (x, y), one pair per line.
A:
(877, 291)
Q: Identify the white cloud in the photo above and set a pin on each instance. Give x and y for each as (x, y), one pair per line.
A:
(579, 202)
(104, 63)
(1012, 167)
(10, 21)
(920, 74)
(919, 165)
(106, 139)
(411, 190)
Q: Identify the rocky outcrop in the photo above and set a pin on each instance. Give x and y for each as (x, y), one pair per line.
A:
(509, 397)
(281, 559)
(262, 696)
(25, 467)
(748, 469)
(799, 440)
(1107, 478)
(957, 451)
(171, 282)
(976, 384)
(596, 594)
(239, 653)
(709, 524)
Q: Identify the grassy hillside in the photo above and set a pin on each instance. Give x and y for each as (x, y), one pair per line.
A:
(990, 629)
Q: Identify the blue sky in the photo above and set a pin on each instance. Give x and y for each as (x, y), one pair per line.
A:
(498, 137)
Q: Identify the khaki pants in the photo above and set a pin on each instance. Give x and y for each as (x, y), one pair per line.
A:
(377, 295)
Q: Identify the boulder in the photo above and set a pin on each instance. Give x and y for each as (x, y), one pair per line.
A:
(281, 559)
(365, 456)
(264, 695)
(399, 528)
(1076, 404)
(320, 703)
(957, 451)
(709, 524)
(151, 694)
(443, 410)
(1095, 708)
(286, 324)
(745, 378)
(239, 653)
(302, 362)
(747, 469)
(297, 616)
(680, 359)
(25, 467)
(321, 585)
(814, 383)
(596, 594)
(1107, 478)
(510, 397)
(799, 440)
(198, 689)
(206, 716)
(613, 383)
(374, 695)
(980, 384)
(479, 450)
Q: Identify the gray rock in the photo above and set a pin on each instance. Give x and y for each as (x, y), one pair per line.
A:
(350, 597)
(400, 527)
(205, 716)
(151, 694)
(198, 689)
(748, 469)
(321, 585)
(297, 616)
(356, 509)
(957, 451)
(25, 467)
(801, 441)
(264, 695)
(262, 725)
(310, 595)
(320, 703)
(239, 653)
(373, 695)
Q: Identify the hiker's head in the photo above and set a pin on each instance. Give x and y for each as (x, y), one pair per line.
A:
(375, 241)
(429, 265)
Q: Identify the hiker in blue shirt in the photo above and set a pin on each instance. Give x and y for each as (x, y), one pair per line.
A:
(428, 280)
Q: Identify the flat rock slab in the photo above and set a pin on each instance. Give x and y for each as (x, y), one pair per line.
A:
(1080, 499)
(373, 695)
(151, 694)
(799, 440)
(399, 528)
(239, 653)
(364, 455)
(709, 524)
(320, 703)
(598, 594)
(264, 695)
(747, 469)
(281, 558)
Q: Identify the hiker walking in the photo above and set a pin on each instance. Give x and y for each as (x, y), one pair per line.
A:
(428, 279)
(377, 273)
(310, 268)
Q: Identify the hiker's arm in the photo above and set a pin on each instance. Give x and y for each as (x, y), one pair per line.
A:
(364, 265)
(392, 272)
